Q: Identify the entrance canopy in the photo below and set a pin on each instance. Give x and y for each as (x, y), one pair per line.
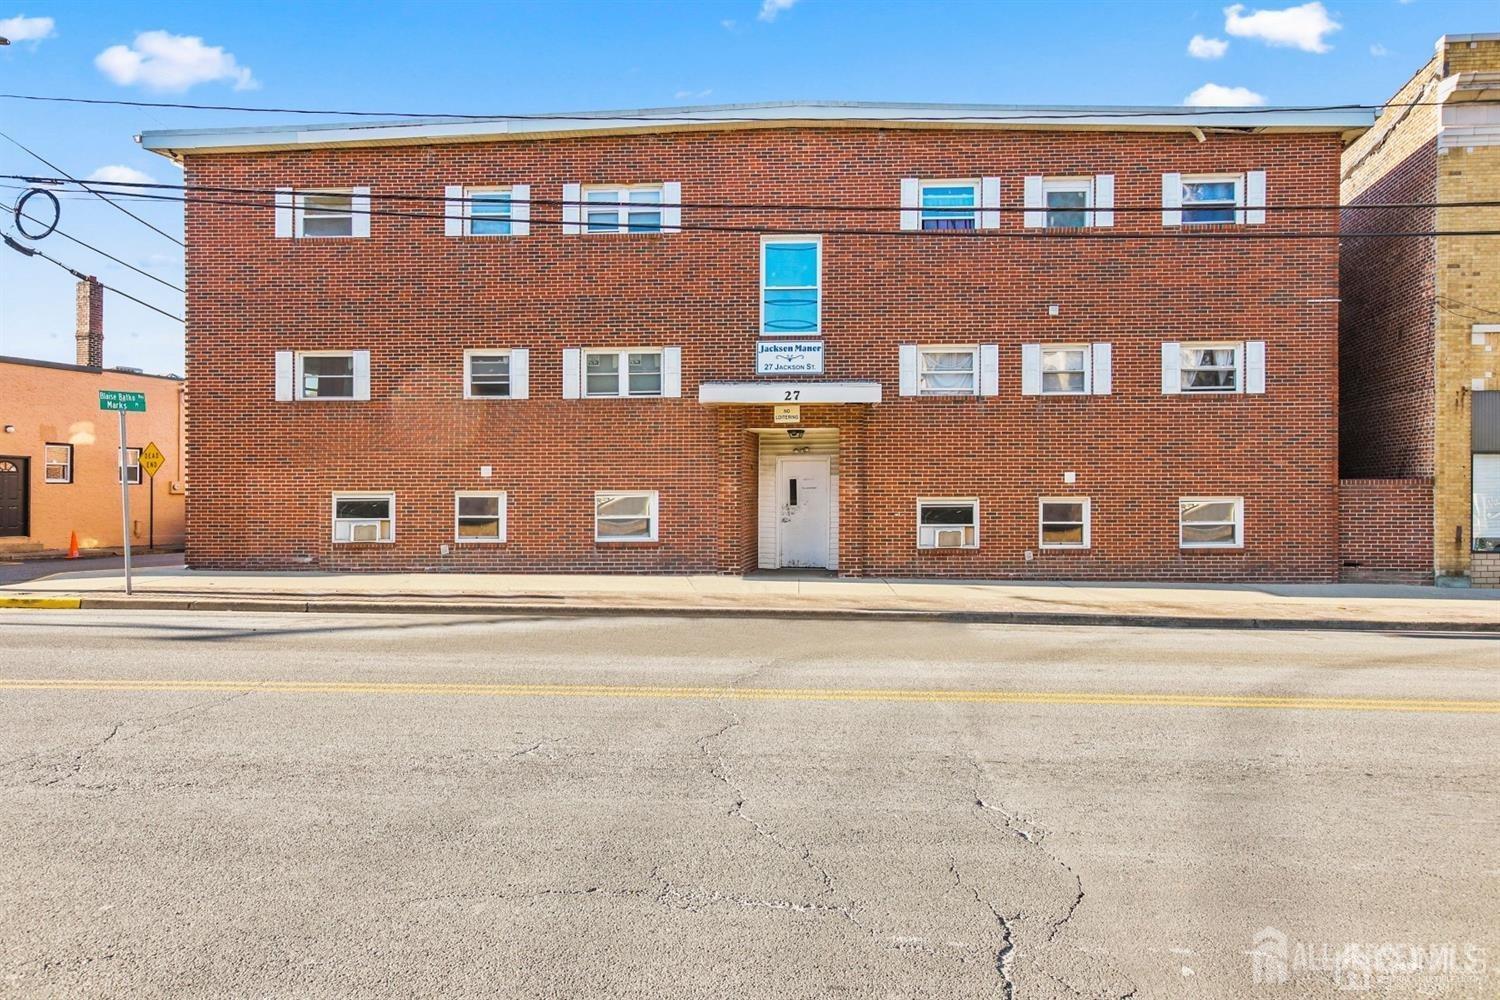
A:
(805, 393)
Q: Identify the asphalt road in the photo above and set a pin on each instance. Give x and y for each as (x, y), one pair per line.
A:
(200, 805)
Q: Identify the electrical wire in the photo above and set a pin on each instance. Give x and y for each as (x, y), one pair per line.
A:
(83, 184)
(105, 253)
(34, 252)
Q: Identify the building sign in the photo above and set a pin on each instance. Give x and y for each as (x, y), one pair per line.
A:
(114, 399)
(779, 357)
(788, 414)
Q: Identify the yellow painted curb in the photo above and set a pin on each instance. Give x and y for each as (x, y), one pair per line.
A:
(41, 602)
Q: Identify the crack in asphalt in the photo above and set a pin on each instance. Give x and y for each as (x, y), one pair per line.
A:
(1006, 955)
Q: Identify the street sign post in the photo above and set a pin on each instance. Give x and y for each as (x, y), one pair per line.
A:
(122, 402)
(151, 462)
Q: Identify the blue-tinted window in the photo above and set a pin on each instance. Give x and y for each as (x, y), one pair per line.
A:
(790, 286)
(489, 213)
(948, 206)
(1209, 201)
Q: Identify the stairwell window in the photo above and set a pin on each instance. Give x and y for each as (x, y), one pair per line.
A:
(947, 371)
(57, 463)
(1211, 522)
(625, 517)
(632, 209)
(949, 205)
(325, 213)
(948, 524)
(1064, 522)
(364, 517)
(791, 279)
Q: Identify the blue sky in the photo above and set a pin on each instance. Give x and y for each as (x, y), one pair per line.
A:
(550, 56)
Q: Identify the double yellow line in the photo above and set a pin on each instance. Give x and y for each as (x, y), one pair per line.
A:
(938, 696)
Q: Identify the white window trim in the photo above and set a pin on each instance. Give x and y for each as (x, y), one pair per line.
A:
(458, 537)
(1186, 206)
(946, 502)
(652, 511)
(1088, 524)
(299, 201)
(470, 354)
(132, 471)
(971, 349)
(1088, 369)
(922, 186)
(1084, 184)
(1239, 523)
(68, 465)
(622, 381)
(333, 508)
(298, 384)
(1238, 346)
(817, 330)
(470, 192)
(622, 212)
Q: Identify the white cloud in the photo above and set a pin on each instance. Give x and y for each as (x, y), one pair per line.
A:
(1212, 95)
(118, 173)
(728, 24)
(1207, 48)
(159, 60)
(1377, 50)
(1297, 27)
(27, 29)
(687, 95)
(770, 8)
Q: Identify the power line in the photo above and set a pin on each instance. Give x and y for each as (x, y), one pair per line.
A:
(104, 253)
(759, 206)
(711, 115)
(37, 156)
(34, 252)
(1189, 232)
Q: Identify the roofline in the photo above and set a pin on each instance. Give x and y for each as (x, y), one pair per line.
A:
(87, 369)
(176, 143)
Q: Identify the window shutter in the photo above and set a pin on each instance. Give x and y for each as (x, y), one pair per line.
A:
(1104, 199)
(1034, 198)
(284, 203)
(1171, 369)
(520, 209)
(284, 376)
(911, 203)
(453, 210)
(671, 207)
(1255, 195)
(520, 373)
(989, 198)
(1255, 366)
(360, 203)
(908, 379)
(1103, 374)
(671, 372)
(361, 374)
(989, 369)
(572, 372)
(1031, 369)
(571, 213)
(1171, 199)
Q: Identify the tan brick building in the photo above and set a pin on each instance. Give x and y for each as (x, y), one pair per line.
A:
(1420, 319)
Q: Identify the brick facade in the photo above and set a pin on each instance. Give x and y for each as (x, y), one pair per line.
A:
(1385, 530)
(265, 470)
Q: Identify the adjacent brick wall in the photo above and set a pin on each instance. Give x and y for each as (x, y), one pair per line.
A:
(264, 470)
(1385, 530)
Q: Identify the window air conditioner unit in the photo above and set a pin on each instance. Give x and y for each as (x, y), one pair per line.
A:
(949, 538)
(364, 531)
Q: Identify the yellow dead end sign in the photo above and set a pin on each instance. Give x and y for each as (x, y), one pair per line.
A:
(152, 460)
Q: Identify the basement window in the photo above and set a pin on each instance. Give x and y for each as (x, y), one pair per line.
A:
(947, 524)
(364, 517)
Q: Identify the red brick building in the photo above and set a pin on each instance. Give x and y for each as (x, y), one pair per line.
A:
(1032, 343)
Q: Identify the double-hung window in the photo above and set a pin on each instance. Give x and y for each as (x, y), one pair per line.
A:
(487, 374)
(1211, 522)
(487, 212)
(479, 517)
(1065, 370)
(325, 213)
(950, 204)
(625, 517)
(947, 371)
(632, 209)
(791, 278)
(325, 375)
(364, 517)
(622, 373)
(1209, 367)
(131, 474)
(1212, 199)
(947, 524)
(57, 463)
(1067, 200)
(1064, 522)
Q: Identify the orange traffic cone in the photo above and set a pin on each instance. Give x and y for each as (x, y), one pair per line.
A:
(73, 546)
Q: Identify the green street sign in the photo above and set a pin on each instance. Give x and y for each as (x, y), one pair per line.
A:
(113, 399)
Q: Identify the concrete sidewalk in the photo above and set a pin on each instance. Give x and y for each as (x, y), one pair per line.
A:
(776, 595)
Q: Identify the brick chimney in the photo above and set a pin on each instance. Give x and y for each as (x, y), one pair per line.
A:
(91, 323)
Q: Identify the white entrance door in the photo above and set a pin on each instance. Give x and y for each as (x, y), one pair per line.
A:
(802, 492)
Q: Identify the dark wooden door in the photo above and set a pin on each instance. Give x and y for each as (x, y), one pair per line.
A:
(14, 515)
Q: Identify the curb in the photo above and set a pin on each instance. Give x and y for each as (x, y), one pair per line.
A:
(512, 610)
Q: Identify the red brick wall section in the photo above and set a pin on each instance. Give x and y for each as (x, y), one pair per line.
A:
(1387, 326)
(1385, 530)
(264, 470)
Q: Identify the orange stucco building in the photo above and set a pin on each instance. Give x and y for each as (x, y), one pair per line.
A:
(59, 453)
